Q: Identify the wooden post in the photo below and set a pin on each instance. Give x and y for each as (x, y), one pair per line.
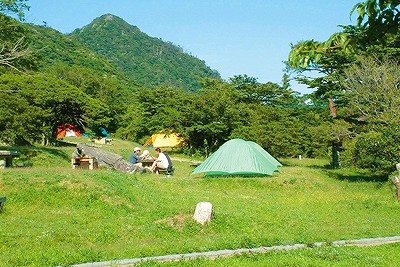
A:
(396, 181)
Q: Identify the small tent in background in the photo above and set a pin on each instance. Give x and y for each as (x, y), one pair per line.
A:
(163, 140)
(104, 132)
(67, 130)
(239, 157)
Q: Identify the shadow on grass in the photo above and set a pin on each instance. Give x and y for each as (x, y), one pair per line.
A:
(309, 163)
(357, 176)
(351, 175)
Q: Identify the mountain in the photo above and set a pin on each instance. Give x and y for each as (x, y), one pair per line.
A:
(147, 60)
(52, 47)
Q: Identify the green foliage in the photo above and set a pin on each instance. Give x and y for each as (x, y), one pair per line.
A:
(377, 150)
(147, 60)
(15, 53)
(372, 94)
(43, 103)
(288, 132)
(52, 48)
(251, 91)
(154, 110)
(377, 28)
(114, 92)
(243, 108)
(17, 7)
(378, 18)
(372, 88)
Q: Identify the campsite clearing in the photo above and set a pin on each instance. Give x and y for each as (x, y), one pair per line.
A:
(100, 215)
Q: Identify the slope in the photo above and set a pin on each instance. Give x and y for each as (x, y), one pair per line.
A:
(52, 47)
(148, 60)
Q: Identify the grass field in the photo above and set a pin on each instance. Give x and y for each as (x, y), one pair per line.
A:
(58, 216)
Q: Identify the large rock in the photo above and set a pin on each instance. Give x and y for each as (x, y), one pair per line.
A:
(109, 159)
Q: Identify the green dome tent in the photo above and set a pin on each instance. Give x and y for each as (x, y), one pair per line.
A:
(239, 157)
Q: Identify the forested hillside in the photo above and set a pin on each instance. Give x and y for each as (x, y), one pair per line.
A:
(148, 60)
(52, 47)
(110, 74)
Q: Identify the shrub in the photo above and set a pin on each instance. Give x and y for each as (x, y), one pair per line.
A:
(377, 150)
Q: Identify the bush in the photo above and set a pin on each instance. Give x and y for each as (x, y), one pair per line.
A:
(378, 150)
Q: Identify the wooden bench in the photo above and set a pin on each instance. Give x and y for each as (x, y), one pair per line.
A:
(167, 172)
(2, 200)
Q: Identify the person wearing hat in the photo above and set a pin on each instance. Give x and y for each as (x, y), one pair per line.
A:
(135, 158)
(145, 155)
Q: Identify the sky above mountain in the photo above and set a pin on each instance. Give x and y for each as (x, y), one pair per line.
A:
(234, 37)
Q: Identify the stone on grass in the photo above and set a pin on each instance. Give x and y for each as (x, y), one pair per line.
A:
(203, 212)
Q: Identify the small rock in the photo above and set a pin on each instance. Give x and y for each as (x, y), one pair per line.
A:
(203, 212)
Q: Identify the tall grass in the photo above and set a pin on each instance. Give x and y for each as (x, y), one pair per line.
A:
(58, 216)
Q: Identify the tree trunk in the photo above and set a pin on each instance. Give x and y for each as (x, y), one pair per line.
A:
(109, 159)
(332, 107)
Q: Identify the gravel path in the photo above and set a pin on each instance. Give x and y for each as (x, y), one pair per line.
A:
(226, 253)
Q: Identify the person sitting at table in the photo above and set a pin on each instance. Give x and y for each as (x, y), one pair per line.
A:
(146, 155)
(135, 158)
(161, 162)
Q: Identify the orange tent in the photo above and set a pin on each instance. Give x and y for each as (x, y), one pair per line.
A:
(68, 130)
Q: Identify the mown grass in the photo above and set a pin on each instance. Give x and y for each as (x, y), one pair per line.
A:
(58, 216)
(384, 255)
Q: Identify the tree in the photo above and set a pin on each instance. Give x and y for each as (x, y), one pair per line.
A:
(113, 91)
(213, 113)
(378, 22)
(373, 90)
(13, 45)
(33, 106)
(376, 19)
(250, 90)
(373, 95)
(150, 111)
(17, 7)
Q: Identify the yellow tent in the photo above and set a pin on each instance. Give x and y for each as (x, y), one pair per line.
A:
(163, 140)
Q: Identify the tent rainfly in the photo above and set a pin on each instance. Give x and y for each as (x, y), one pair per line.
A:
(68, 130)
(163, 140)
(239, 157)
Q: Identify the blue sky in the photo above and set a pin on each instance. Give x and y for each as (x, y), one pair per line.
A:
(234, 37)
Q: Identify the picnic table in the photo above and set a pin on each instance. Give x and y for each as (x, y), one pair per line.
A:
(89, 163)
(147, 162)
(6, 157)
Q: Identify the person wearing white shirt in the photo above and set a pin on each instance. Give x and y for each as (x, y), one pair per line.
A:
(161, 162)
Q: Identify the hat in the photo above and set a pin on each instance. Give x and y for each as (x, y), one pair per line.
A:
(136, 149)
(146, 153)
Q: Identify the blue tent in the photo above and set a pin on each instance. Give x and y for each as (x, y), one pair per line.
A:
(104, 132)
